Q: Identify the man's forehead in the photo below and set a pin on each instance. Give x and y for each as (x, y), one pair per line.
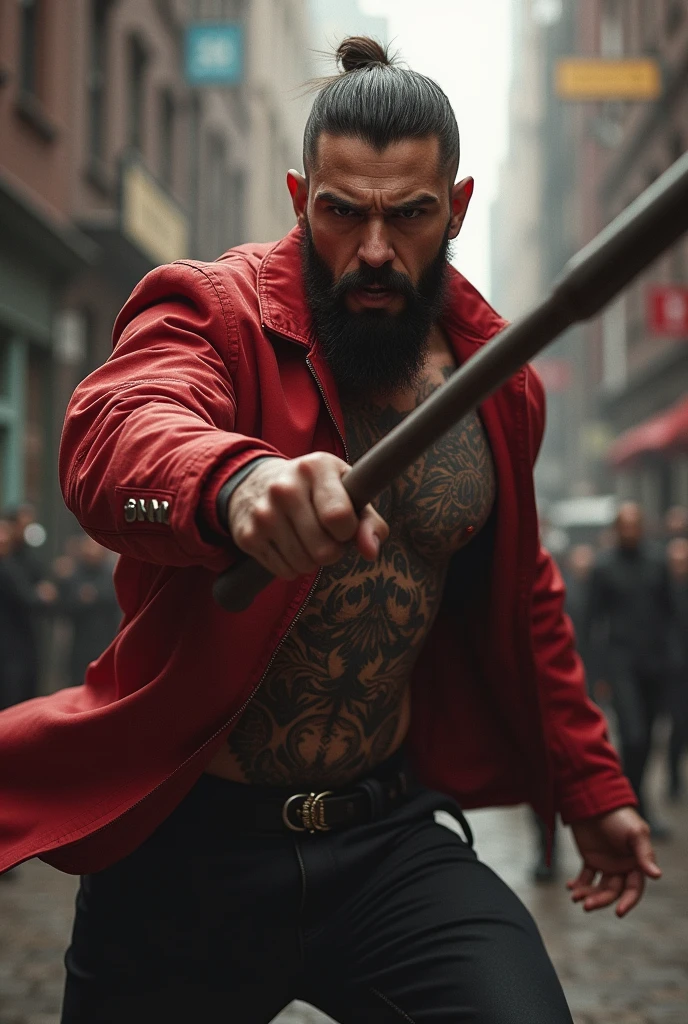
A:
(348, 164)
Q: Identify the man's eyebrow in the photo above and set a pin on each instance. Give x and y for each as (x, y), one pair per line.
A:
(331, 197)
(425, 199)
(415, 204)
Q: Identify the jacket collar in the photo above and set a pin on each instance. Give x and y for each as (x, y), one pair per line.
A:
(283, 307)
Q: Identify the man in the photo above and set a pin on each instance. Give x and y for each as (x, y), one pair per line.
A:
(580, 562)
(263, 804)
(630, 602)
(676, 522)
(23, 596)
(677, 560)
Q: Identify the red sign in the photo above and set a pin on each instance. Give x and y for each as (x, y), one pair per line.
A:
(556, 374)
(667, 311)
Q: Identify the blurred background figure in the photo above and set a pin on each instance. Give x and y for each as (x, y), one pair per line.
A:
(631, 614)
(677, 560)
(676, 522)
(21, 597)
(22, 520)
(577, 571)
(87, 599)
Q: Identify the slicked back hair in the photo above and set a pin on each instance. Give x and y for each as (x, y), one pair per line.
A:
(379, 102)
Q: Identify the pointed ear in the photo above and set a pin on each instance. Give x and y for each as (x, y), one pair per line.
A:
(460, 198)
(298, 190)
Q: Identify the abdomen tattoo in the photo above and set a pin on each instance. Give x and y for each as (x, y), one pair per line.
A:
(335, 700)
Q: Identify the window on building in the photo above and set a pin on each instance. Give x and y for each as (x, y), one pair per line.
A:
(236, 197)
(677, 145)
(612, 28)
(167, 122)
(215, 213)
(675, 13)
(138, 59)
(97, 78)
(29, 35)
(614, 345)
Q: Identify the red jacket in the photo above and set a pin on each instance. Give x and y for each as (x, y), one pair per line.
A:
(213, 363)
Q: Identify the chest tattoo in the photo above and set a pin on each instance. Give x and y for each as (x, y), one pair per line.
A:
(334, 700)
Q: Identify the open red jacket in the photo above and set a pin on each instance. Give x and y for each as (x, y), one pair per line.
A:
(213, 364)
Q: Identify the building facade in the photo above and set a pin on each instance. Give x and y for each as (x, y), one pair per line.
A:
(590, 158)
(129, 159)
(644, 358)
(40, 248)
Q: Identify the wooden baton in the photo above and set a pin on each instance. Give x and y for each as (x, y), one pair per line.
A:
(651, 224)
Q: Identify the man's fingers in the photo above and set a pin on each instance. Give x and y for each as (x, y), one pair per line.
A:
(582, 883)
(321, 547)
(372, 532)
(333, 507)
(633, 890)
(645, 855)
(607, 891)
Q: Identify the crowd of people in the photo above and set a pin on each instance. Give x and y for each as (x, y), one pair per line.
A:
(627, 597)
(55, 617)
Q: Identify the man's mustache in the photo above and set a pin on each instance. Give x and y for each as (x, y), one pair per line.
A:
(378, 277)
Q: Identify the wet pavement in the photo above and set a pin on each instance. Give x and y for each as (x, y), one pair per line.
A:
(633, 971)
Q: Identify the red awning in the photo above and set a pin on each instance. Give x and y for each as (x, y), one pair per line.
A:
(666, 432)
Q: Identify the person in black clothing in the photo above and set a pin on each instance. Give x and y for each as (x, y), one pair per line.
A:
(631, 606)
(88, 598)
(677, 559)
(577, 573)
(20, 598)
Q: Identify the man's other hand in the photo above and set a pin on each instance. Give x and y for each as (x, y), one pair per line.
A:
(294, 515)
(617, 858)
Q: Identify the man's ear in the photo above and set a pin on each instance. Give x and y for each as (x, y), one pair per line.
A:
(460, 198)
(298, 190)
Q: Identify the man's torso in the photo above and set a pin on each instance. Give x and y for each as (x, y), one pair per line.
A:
(335, 699)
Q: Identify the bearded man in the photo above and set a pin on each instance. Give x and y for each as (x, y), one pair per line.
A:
(265, 805)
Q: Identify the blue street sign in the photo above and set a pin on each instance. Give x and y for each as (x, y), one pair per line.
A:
(215, 53)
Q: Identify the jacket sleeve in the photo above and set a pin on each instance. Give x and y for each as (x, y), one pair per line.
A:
(587, 772)
(149, 436)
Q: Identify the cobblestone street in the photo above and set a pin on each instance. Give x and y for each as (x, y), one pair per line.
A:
(614, 972)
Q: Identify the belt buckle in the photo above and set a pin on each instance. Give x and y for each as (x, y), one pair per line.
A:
(312, 813)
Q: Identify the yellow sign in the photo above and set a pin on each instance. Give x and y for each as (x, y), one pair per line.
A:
(150, 218)
(580, 78)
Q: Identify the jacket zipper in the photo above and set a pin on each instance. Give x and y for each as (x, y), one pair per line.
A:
(276, 651)
(325, 399)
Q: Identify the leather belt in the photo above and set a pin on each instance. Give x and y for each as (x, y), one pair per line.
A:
(324, 811)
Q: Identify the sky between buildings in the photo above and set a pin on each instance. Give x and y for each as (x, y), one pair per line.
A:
(465, 46)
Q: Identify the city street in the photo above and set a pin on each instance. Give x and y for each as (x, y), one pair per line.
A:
(614, 972)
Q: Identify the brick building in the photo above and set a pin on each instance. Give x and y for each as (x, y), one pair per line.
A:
(40, 248)
(588, 161)
(112, 163)
(644, 371)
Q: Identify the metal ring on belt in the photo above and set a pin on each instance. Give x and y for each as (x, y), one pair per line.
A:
(321, 812)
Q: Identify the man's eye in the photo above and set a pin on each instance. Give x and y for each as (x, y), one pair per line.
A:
(342, 211)
(409, 214)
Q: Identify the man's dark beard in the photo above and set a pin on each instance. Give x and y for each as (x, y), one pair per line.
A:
(373, 352)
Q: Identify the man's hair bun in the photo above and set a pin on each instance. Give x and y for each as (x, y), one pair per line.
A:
(359, 52)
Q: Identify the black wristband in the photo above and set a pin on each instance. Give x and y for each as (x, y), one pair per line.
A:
(228, 488)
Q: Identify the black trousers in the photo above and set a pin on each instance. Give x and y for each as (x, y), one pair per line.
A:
(394, 920)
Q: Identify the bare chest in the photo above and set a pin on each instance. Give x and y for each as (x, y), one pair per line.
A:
(336, 698)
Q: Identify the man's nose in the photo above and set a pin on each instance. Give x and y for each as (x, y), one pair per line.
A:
(375, 248)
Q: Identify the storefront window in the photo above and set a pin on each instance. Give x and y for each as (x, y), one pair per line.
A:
(4, 366)
(36, 427)
(3, 467)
